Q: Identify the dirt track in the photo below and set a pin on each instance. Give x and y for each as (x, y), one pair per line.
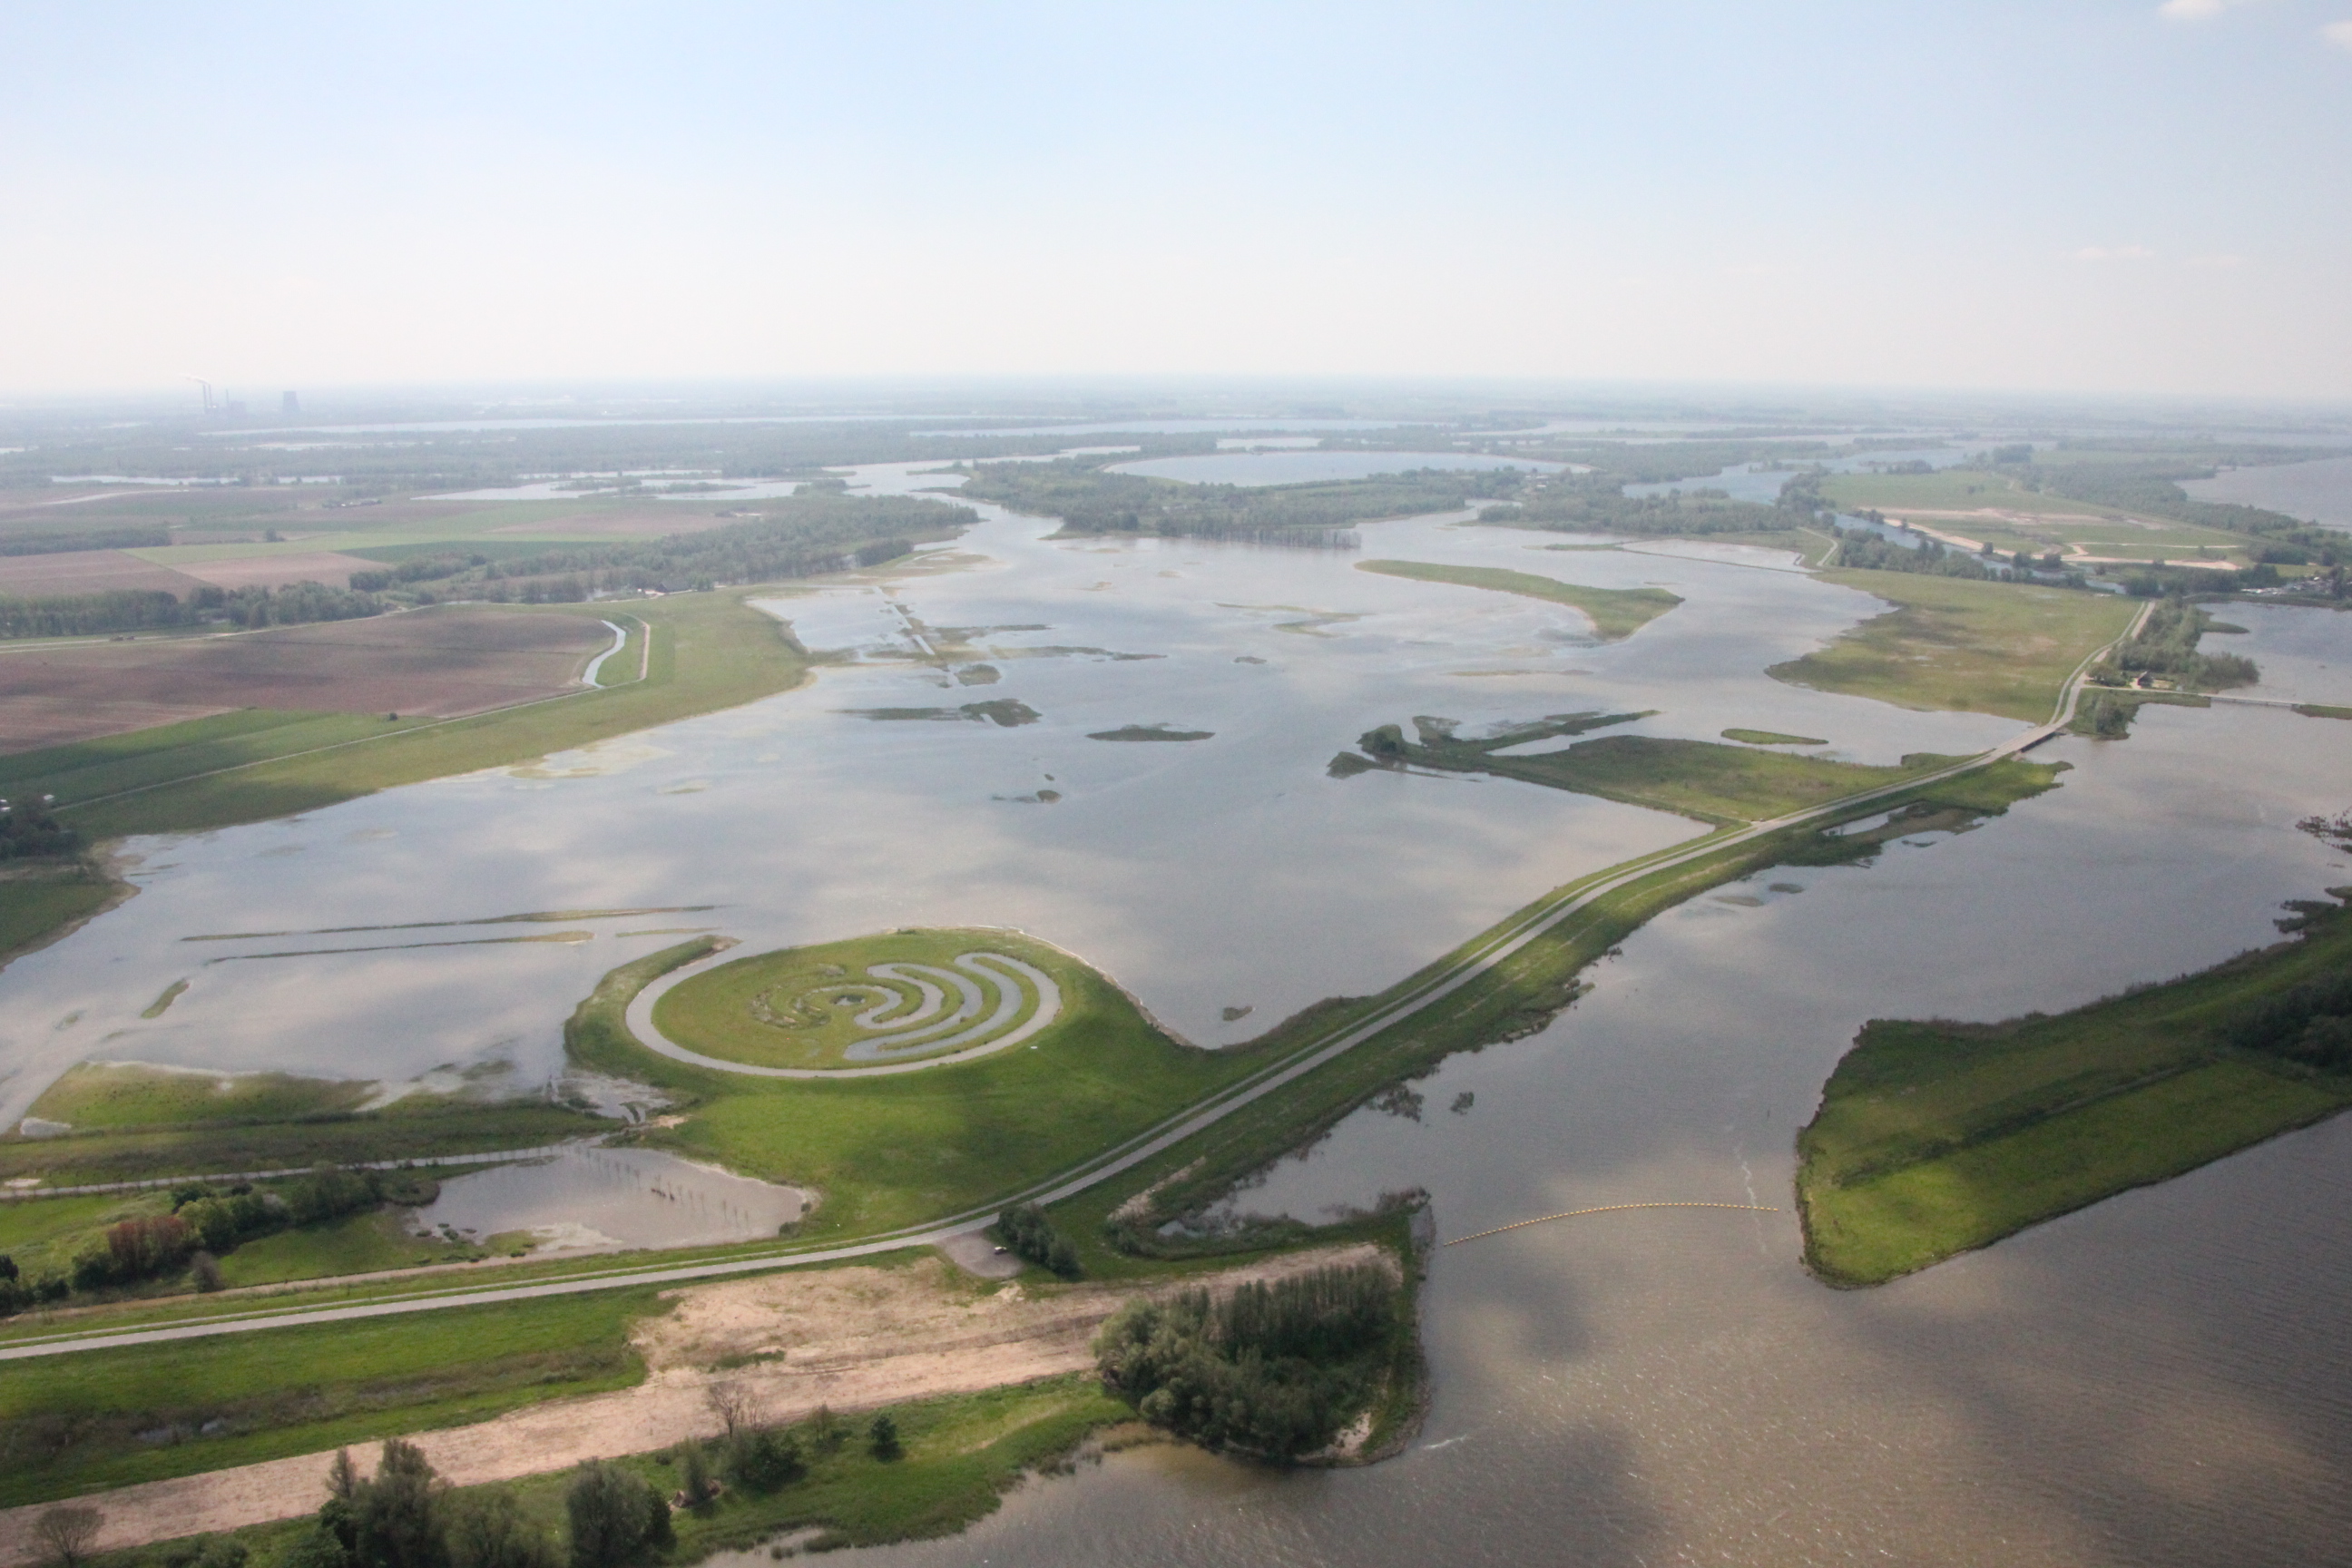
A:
(850, 1338)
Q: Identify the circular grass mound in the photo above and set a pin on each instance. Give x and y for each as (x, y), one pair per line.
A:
(870, 1002)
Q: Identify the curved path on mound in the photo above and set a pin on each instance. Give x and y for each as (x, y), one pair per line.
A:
(1000, 1031)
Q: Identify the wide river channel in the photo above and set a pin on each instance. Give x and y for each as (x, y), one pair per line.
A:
(2163, 1378)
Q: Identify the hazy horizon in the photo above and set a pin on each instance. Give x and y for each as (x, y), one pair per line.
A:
(2092, 198)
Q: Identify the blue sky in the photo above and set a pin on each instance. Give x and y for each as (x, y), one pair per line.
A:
(2065, 195)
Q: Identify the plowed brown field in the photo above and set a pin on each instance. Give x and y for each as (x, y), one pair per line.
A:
(438, 663)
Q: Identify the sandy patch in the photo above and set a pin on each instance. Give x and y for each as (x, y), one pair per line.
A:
(850, 1338)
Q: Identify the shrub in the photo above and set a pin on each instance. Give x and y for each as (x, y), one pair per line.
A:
(488, 1529)
(614, 1516)
(763, 1459)
(882, 1437)
(1032, 1237)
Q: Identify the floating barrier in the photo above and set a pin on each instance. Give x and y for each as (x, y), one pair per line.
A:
(1608, 1208)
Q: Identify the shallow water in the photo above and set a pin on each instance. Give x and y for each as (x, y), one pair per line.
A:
(1230, 872)
(2319, 491)
(587, 1198)
(2161, 1380)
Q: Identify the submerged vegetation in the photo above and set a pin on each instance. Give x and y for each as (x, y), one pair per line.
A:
(1615, 613)
(1933, 1137)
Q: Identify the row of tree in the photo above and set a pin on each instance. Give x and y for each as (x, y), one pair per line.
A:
(1090, 499)
(1032, 1237)
(2166, 645)
(139, 609)
(205, 1224)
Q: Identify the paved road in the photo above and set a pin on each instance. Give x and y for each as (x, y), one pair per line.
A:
(1515, 935)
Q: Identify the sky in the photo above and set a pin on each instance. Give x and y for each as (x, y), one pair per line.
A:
(2087, 195)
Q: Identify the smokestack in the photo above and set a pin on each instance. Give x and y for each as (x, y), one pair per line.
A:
(291, 403)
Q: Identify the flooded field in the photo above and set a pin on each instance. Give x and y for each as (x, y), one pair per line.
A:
(590, 1199)
(2157, 1380)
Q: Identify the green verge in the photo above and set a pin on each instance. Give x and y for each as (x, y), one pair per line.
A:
(36, 907)
(1716, 783)
(1933, 1138)
(1615, 613)
(1771, 738)
(889, 1150)
(419, 1128)
(70, 1425)
(1953, 645)
(1516, 998)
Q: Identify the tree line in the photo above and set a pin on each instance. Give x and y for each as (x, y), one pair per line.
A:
(2166, 645)
(1273, 1371)
(139, 609)
(1088, 498)
(204, 1224)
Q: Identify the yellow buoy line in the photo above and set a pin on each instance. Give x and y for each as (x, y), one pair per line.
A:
(1608, 1208)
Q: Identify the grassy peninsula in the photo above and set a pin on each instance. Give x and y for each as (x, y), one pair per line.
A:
(1933, 1137)
(1951, 644)
(1615, 613)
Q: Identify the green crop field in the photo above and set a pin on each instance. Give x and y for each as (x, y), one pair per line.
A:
(887, 1151)
(798, 1008)
(1932, 1138)
(1959, 645)
(1615, 613)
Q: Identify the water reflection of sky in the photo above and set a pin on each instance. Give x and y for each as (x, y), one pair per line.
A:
(1221, 874)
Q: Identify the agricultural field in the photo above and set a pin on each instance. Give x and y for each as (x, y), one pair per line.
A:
(1959, 645)
(438, 663)
(1969, 509)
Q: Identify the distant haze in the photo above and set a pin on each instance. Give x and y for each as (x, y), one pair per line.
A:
(2110, 196)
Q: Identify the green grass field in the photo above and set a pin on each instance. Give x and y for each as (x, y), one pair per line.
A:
(2046, 521)
(886, 1151)
(72, 1423)
(419, 1127)
(1933, 1138)
(796, 1009)
(112, 1095)
(35, 907)
(1953, 645)
(356, 1243)
(1772, 738)
(1615, 613)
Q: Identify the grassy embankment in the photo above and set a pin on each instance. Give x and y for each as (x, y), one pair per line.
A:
(1772, 738)
(1615, 613)
(1726, 786)
(1515, 998)
(72, 1423)
(140, 1125)
(1952, 644)
(1933, 1138)
(890, 1151)
(796, 1009)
